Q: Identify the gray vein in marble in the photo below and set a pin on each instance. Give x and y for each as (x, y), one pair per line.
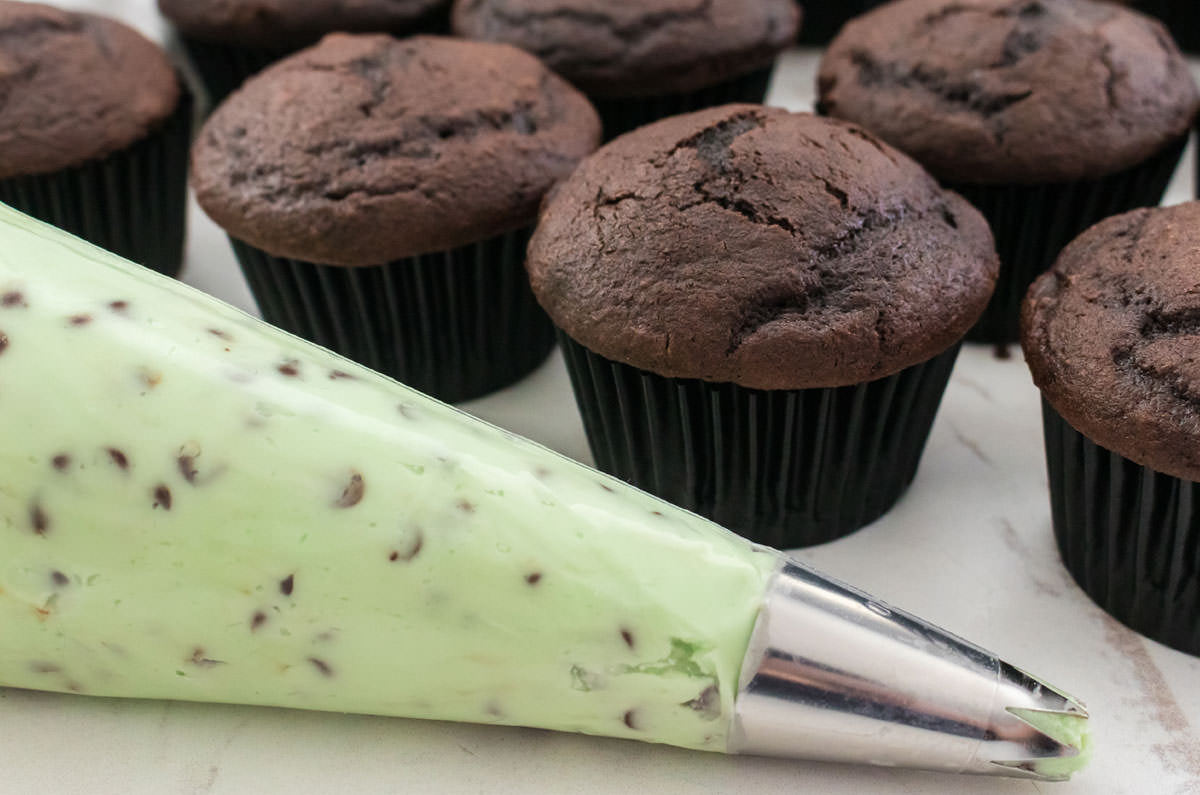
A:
(972, 445)
(1182, 752)
(1032, 560)
(974, 386)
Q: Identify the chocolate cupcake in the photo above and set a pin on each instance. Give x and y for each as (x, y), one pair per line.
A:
(1048, 115)
(379, 194)
(643, 60)
(1112, 335)
(229, 40)
(94, 132)
(760, 312)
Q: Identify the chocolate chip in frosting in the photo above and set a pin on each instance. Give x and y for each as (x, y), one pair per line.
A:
(149, 378)
(352, 494)
(708, 703)
(409, 551)
(322, 666)
(119, 458)
(39, 519)
(187, 468)
(201, 661)
(162, 497)
(186, 461)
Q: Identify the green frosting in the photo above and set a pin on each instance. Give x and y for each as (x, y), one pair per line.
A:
(1070, 730)
(196, 505)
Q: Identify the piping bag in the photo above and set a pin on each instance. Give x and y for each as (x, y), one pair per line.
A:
(195, 505)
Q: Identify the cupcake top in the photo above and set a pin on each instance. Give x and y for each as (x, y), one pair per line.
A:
(365, 149)
(1011, 91)
(1112, 335)
(75, 88)
(769, 249)
(637, 47)
(287, 24)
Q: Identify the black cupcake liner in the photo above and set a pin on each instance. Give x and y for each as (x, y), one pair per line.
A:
(788, 468)
(619, 116)
(222, 68)
(823, 19)
(1033, 223)
(1130, 536)
(132, 202)
(456, 324)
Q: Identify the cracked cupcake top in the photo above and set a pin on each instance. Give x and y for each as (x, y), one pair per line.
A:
(282, 24)
(1112, 335)
(365, 149)
(75, 88)
(755, 246)
(637, 47)
(1004, 91)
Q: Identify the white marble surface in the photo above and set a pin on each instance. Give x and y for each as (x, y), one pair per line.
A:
(970, 548)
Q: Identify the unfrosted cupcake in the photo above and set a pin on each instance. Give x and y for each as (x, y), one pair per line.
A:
(1112, 335)
(229, 40)
(1048, 115)
(379, 194)
(760, 312)
(642, 60)
(94, 131)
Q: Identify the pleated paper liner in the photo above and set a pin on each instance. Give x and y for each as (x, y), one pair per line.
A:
(823, 19)
(619, 116)
(1130, 536)
(783, 468)
(222, 68)
(456, 324)
(132, 202)
(1033, 223)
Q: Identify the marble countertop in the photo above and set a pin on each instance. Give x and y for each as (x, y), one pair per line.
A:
(969, 547)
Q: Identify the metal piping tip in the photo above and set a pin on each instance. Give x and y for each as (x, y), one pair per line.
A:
(832, 674)
(1048, 728)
